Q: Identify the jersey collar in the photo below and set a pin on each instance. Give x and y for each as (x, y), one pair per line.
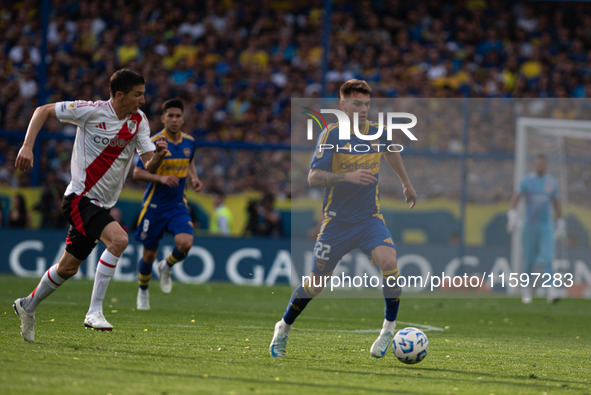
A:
(169, 137)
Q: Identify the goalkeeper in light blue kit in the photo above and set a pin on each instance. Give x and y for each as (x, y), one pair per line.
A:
(538, 239)
(352, 217)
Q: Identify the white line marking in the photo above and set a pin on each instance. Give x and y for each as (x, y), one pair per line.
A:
(424, 327)
(402, 323)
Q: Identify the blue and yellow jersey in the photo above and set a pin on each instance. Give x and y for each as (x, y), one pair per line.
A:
(175, 163)
(539, 193)
(346, 201)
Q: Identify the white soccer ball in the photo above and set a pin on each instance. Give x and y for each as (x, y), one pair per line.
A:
(410, 345)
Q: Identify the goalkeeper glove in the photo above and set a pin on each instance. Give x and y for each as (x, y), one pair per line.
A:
(560, 232)
(512, 220)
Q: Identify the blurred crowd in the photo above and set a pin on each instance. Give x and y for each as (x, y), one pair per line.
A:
(237, 64)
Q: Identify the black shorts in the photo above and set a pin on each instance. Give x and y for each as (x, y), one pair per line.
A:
(87, 220)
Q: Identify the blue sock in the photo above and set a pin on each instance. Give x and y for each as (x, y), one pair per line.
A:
(298, 302)
(391, 293)
(391, 308)
(144, 273)
(175, 256)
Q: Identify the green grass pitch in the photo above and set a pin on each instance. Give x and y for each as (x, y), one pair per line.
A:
(214, 338)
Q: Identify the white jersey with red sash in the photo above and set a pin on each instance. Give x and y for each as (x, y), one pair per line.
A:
(103, 149)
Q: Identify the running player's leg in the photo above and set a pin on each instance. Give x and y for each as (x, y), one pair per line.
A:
(115, 239)
(378, 244)
(330, 247)
(78, 247)
(149, 231)
(303, 294)
(181, 226)
(50, 281)
(87, 221)
(144, 274)
(332, 243)
(385, 258)
(91, 220)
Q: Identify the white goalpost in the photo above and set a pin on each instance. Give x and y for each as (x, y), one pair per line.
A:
(567, 146)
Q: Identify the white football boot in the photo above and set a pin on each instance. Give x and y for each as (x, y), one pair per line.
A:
(165, 280)
(143, 299)
(382, 343)
(97, 322)
(27, 320)
(278, 345)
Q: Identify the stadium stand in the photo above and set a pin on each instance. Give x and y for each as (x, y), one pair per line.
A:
(238, 63)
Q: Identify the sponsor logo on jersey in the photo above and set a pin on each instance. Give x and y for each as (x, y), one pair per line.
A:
(357, 166)
(166, 168)
(114, 142)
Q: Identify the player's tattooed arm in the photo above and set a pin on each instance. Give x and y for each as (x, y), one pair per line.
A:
(323, 178)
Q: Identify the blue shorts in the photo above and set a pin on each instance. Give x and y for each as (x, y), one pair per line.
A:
(538, 246)
(336, 239)
(154, 222)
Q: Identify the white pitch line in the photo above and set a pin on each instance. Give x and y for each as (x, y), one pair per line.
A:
(420, 326)
(424, 327)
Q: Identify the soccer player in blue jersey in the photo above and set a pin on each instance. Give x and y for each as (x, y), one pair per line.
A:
(541, 199)
(352, 216)
(165, 207)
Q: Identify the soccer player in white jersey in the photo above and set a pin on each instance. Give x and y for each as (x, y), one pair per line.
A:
(541, 196)
(108, 134)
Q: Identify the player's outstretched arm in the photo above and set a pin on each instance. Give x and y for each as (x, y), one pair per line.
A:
(24, 159)
(144, 175)
(322, 178)
(395, 161)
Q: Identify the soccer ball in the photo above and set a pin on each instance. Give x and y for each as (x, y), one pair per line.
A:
(410, 345)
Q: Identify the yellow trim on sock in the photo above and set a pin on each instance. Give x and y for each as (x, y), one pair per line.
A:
(309, 291)
(390, 272)
(171, 260)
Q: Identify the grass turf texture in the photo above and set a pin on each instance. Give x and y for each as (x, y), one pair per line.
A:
(214, 338)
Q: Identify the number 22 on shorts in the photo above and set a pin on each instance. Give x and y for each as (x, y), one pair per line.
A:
(321, 251)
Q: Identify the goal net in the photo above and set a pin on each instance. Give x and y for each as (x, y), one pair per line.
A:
(567, 147)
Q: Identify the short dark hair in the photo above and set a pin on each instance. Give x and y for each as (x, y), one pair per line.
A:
(354, 85)
(173, 103)
(124, 80)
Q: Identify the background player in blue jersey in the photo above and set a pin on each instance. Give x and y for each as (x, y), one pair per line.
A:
(164, 207)
(352, 217)
(541, 197)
